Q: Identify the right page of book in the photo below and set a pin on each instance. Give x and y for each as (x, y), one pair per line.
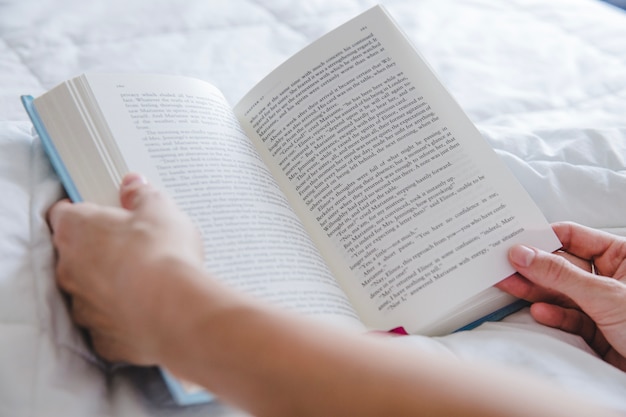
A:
(410, 206)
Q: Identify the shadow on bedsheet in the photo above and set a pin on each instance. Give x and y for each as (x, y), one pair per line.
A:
(617, 3)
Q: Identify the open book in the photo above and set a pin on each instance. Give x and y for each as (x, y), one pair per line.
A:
(347, 185)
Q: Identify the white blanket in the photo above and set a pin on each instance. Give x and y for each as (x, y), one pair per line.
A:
(544, 81)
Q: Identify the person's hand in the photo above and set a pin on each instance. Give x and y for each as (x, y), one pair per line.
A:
(567, 294)
(117, 266)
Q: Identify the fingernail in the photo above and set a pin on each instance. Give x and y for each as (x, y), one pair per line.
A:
(133, 179)
(522, 255)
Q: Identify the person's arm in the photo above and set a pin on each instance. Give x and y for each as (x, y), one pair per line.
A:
(137, 283)
(274, 364)
(589, 301)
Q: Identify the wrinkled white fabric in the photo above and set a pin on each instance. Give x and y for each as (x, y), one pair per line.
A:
(544, 81)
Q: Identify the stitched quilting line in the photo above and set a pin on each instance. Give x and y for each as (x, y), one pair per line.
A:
(22, 61)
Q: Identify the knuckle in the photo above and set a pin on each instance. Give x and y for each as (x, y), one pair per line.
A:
(64, 279)
(68, 221)
(146, 193)
(558, 269)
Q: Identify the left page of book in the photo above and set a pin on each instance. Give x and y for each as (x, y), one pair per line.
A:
(181, 134)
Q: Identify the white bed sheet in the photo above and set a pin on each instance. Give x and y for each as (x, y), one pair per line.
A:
(544, 81)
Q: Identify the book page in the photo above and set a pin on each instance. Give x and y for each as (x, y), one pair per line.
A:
(409, 205)
(182, 135)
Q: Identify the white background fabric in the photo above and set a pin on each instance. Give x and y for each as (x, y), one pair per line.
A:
(544, 81)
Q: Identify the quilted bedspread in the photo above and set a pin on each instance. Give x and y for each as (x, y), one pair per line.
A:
(545, 81)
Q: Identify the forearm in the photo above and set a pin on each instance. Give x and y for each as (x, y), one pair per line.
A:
(271, 363)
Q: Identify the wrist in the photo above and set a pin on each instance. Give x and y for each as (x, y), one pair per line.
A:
(190, 307)
(167, 305)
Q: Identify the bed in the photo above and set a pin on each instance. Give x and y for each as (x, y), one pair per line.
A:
(544, 81)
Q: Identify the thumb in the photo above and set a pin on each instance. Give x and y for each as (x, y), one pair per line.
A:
(557, 273)
(134, 190)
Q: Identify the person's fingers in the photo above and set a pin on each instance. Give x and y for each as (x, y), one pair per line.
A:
(558, 274)
(568, 319)
(583, 264)
(582, 241)
(520, 287)
(66, 216)
(63, 277)
(134, 190)
(105, 346)
(139, 196)
(587, 243)
(82, 313)
(572, 321)
(56, 212)
(615, 358)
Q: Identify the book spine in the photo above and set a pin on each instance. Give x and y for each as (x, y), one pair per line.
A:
(50, 149)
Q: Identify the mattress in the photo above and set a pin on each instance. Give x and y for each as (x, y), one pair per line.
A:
(543, 81)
